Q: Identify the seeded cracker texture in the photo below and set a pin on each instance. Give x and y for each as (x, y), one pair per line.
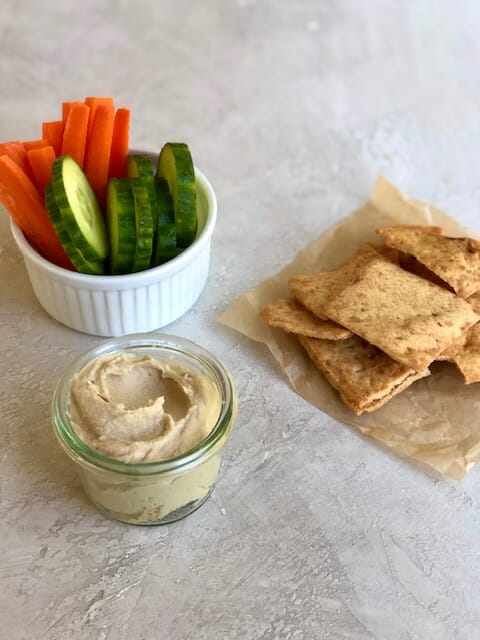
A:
(314, 290)
(291, 316)
(365, 377)
(466, 355)
(454, 260)
(475, 301)
(410, 319)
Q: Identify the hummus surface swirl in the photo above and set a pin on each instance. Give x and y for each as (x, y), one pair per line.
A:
(136, 408)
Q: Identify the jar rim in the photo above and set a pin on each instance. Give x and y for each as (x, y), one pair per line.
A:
(144, 342)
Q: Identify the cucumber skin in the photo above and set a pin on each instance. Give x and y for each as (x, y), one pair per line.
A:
(186, 231)
(165, 208)
(165, 246)
(176, 156)
(143, 225)
(140, 166)
(82, 265)
(121, 213)
(184, 163)
(88, 252)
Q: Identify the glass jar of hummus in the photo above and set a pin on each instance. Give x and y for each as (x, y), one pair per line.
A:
(145, 418)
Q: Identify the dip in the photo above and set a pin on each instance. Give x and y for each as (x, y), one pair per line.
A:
(136, 408)
(144, 419)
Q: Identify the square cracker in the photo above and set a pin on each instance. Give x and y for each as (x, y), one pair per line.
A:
(409, 263)
(407, 317)
(314, 290)
(474, 300)
(291, 316)
(365, 377)
(454, 260)
(465, 353)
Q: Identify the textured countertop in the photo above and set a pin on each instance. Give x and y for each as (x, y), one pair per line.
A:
(291, 109)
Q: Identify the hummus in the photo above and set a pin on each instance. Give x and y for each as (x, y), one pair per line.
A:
(135, 408)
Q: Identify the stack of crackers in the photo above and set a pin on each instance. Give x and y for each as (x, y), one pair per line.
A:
(374, 325)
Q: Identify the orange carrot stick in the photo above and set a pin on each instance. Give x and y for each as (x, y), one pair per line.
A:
(53, 132)
(16, 152)
(75, 133)
(41, 160)
(35, 144)
(120, 140)
(23, 201)
(97, 155)
(66, 106)
(94, 102)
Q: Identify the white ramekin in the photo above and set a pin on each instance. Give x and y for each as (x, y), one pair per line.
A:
(134, 303)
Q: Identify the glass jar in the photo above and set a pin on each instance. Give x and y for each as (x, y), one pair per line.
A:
(149, 492)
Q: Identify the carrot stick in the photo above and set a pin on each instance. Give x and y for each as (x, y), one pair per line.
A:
(94, 102)
(66, 106)
(75, 132)
(120, 140)
(97, 155)
(16, 152)
(35, 144)
(41, 160)
(53, 132)
(23, 201)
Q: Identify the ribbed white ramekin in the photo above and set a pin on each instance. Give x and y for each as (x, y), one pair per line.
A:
(134, 303)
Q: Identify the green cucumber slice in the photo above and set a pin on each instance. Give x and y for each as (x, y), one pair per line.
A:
(176, 166)
(79, 209)
(121, 225)
(78, 261)
(139, 165)
(165, 246)
(165, 209)
(143, 225)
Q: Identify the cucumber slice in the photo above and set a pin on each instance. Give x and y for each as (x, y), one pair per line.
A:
(139, 165)
(165, 246)
(78, 261)
(143, 225)
(165, 209)
(121, 225)
(176, 166)
(79, 209)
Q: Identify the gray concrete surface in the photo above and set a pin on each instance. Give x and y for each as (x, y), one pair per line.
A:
(291, 109)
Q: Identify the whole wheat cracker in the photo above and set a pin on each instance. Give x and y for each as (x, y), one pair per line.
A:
(474, 300)
(288, 314)
(314, 290)
(411, 264)
(454, 260)
(365, 377)
(465, 353)
(407, 317)
(421, 227)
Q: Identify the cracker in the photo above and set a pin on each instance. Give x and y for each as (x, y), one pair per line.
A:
(291, 316)
(407, 317)
(474, 300)
(454, 260)
(409, 263)
(421, 227)
(365, 377)
(465, 353)
(314, 290)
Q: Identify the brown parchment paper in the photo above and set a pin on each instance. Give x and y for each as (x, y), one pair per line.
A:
(435, 421)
